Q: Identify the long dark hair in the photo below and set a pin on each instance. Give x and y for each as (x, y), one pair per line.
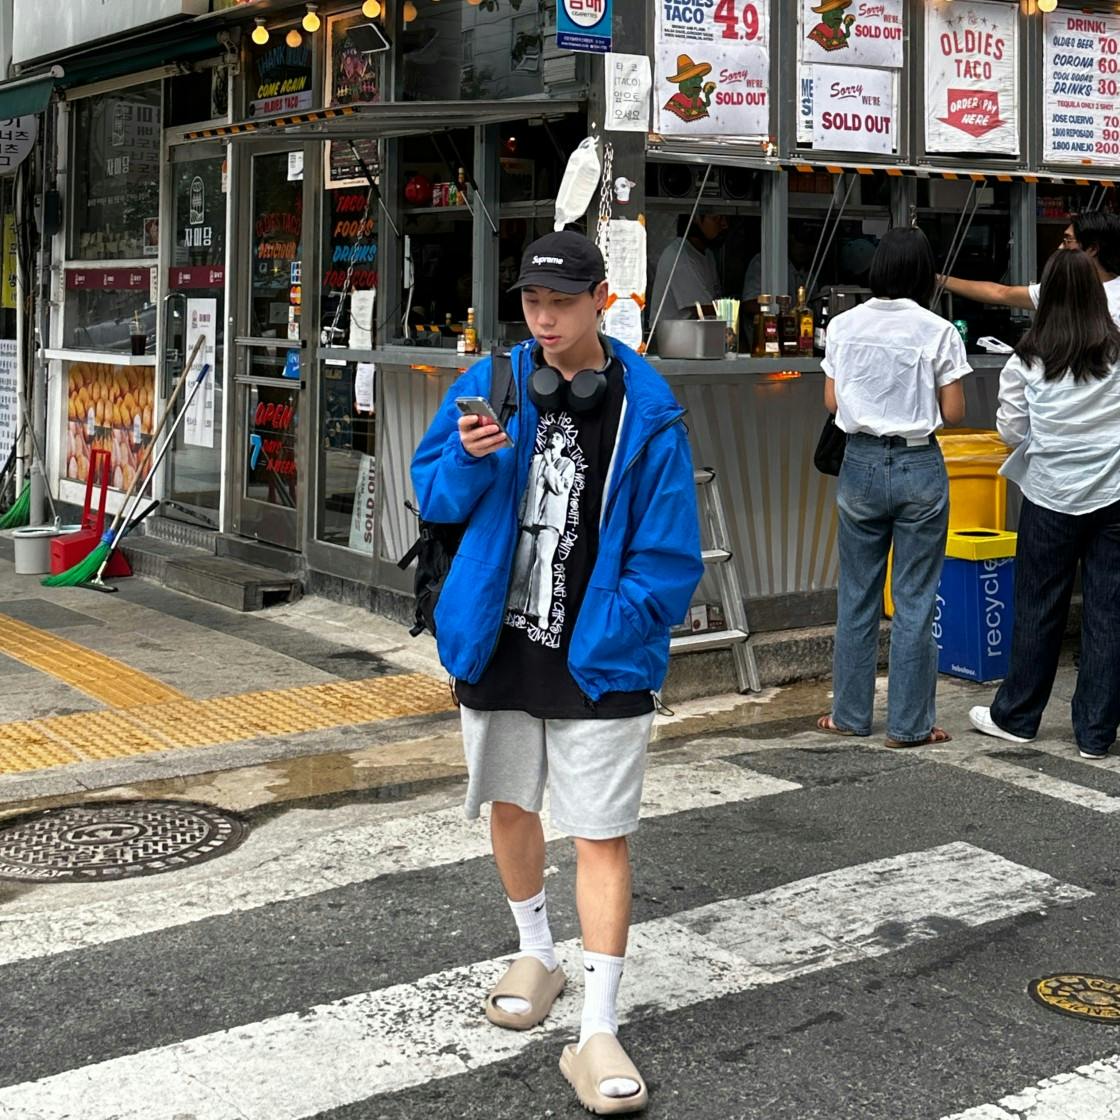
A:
(903, 267)
(1073, 331)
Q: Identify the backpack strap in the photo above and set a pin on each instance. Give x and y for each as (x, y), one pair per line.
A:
(503, 388)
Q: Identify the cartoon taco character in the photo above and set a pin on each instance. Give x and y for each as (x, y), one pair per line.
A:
(692, 99)
(835, 28)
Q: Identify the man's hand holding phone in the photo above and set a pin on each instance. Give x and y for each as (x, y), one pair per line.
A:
(479, 430)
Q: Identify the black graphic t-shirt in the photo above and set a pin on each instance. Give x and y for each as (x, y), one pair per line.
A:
(555, 553)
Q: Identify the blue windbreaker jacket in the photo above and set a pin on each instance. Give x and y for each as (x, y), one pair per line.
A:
(648, 562)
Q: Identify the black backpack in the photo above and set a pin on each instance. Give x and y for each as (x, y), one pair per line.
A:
(435, 547)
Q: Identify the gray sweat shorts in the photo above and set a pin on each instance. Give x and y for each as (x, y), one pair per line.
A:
(594, 768)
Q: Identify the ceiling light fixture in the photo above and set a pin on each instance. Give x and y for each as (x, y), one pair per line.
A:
(260, 32)
(311, 21)
(371, 9)
(293, 38)
(408, 12)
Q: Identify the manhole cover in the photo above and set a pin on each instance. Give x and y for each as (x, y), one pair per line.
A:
(1083, 997)
(114, 840)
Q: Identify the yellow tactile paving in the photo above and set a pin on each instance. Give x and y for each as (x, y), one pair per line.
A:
(112, 682)
(184, 723)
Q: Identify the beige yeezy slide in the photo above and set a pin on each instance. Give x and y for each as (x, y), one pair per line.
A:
(602, 1059)
(529, 980)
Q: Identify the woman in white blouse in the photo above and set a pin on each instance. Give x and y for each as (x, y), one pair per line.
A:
(894, 372)
(1059, 407)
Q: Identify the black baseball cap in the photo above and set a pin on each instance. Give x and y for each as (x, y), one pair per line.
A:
(562, 262)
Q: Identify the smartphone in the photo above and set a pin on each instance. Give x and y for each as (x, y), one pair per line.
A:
(480, 406)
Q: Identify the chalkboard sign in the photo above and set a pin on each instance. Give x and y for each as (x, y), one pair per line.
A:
(355, 47)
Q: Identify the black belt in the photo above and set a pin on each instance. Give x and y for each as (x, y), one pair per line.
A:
(894, 441)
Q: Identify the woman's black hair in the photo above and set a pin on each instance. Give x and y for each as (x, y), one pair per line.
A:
(903, 267)
(1074, 332)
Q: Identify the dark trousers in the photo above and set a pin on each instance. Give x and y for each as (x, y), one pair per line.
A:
(1050, 547)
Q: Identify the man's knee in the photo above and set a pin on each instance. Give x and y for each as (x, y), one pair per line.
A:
(602, 851)
(507, 815)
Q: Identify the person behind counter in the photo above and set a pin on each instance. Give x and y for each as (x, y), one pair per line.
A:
(695, 279)
(1059, 407)
(1096, 233)
(802, 244)
(893, 373)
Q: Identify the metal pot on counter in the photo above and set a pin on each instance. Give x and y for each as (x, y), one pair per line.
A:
(692, 339)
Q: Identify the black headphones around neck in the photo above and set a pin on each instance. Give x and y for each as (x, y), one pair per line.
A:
(550, 391)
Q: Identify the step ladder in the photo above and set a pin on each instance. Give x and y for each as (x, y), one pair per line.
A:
(718, 556)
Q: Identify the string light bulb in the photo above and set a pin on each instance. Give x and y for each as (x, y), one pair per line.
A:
(293, 38)
(311, 21)
(260, 32)
(408, 12)
(371, 9)
(1047, 5)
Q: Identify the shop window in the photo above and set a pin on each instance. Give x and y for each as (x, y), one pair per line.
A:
(458, 50)
(438, 221)
(726, 242)
(349, 272)
(116, 153)
(347, 468)
(985, 253)
(201, 95)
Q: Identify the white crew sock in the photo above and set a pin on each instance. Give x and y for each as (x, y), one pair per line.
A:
(601, 977)
(536, 941)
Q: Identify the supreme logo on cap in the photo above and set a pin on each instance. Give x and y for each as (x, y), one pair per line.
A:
(548, 260)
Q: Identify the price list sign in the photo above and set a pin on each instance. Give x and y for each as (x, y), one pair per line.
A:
(1081, 80)
(713, 68)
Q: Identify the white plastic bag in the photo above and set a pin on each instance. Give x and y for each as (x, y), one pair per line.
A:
(581, 179)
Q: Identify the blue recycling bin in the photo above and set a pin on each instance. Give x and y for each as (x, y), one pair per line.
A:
(976, 604)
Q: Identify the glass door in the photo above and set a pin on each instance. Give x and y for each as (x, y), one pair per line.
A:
(194, 308)
(271, 359)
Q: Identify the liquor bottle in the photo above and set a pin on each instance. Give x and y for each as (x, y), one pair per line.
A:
(470, 333)
(803, 314)
(787, 327)
(821, 333)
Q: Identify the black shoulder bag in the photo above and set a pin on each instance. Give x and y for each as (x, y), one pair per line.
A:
(434, 549)
(829, 455)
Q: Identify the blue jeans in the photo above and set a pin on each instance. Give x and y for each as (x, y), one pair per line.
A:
(1050, 546)
(889, 493)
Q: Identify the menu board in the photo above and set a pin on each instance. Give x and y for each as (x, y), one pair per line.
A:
(8, 393)
(846, 33)
(1081, 88)
(354, 46)
(972, 78)
(854, 110)
(713, 69)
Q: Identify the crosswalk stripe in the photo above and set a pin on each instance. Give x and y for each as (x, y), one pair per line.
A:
(1085, 797)
(1088, 1091)
(286, 860)
(300, 1064)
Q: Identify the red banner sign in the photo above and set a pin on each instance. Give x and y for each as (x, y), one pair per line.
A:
(197, 277)
(108, 279)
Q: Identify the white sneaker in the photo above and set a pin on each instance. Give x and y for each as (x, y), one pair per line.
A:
(981, 719)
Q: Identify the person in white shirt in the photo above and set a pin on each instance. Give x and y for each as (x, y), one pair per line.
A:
(1096, 233)
(893, 377)
(687, 273)
(1059, 408)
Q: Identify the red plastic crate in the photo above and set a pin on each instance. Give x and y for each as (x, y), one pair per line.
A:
(73, 548)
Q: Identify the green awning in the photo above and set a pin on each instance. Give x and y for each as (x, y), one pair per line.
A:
(24, 98)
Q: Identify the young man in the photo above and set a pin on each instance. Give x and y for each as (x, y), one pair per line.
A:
(1096, 232)
(581, 549)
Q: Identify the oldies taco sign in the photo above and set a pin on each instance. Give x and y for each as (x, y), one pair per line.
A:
(972, 78)
(853, 32)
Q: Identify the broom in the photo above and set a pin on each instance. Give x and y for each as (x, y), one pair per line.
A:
(19, 512)
(110, 541)
(84, 569)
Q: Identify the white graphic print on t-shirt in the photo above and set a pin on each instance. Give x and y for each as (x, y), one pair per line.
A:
(550, 525)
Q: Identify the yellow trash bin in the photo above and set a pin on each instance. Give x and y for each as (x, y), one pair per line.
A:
(977, 493)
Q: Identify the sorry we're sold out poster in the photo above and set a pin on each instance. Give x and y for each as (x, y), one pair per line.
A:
(972, 78)
(712, 73)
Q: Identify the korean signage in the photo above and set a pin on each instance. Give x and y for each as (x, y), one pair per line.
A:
(17, 138)
(202, 322)
(584, 25)
(40, 29)
(853, 32)
(713, 68)
(972, 78)
(853, 110)
(8, 394)
(1081, 88)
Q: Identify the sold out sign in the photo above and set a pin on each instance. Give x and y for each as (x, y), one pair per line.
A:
(853, 112)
